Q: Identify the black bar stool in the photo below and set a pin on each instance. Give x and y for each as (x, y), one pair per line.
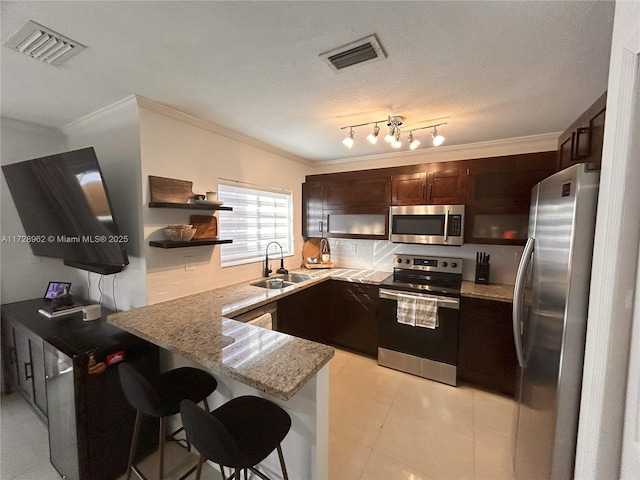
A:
(161, 398)
(240, 434)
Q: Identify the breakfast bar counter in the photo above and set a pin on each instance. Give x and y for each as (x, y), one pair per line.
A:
(194, 327)
(197, 327)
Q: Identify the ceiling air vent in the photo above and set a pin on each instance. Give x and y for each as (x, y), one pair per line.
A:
(44, 44)
(365, 50)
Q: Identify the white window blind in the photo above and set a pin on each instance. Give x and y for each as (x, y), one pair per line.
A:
(260, 215)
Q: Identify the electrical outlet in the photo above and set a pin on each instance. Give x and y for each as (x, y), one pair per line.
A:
(191, 262)
(353, 247)
(188, 264)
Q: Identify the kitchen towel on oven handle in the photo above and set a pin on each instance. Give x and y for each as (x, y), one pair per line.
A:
(406, 309)
(427, 312)
(417, 311)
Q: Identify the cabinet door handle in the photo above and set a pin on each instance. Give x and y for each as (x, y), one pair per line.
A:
(431, 191)
(29, 375)
(320, 226)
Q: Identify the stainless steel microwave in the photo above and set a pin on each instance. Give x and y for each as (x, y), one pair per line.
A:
(427, 224)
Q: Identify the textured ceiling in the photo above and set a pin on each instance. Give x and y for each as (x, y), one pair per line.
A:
(492, 70)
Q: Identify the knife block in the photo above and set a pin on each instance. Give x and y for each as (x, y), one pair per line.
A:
(482, 273)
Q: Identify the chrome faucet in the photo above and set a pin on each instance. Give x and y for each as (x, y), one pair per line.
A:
(267, 269)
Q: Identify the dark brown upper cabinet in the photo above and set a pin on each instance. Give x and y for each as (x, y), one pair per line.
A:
(437, 187)
(499, 195)
(507, 180)
(496, 192)
(357, 208)
(582, 141)
(409, 189)
(353, 206)
(357, 195)
(312, 217)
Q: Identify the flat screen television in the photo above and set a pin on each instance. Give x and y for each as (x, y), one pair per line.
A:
(65, 210)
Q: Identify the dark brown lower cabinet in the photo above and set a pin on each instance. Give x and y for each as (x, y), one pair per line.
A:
(334, 312)
(355, 325)
(306, 314)
(486, 351)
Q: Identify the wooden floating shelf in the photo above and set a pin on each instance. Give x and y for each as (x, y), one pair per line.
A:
(189, 206)
(190, 243)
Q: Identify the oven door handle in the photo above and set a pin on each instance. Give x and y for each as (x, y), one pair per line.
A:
(444, 302)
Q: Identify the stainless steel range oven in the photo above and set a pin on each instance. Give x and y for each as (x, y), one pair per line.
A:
(421, 287)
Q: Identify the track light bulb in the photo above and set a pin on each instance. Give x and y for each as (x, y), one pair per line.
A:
(348, 141)
(396, 141)
(390, 137)
(437, 139)
(372, 138)
(413, 143)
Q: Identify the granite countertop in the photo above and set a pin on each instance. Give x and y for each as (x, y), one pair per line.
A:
(498, 292)
(196, 327)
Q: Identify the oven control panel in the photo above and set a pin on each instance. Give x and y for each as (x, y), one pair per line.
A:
(431, 264)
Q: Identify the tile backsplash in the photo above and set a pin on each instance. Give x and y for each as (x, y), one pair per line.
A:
(378, 255)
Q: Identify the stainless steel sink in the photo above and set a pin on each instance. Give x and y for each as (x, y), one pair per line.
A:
(282, 281)
(294, 277)
(273, 283)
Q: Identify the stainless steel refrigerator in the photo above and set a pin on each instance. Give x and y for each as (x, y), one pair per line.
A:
(549, 322)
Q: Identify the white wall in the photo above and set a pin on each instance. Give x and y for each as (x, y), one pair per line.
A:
(25, 276)
(173, 146)
(115, 135)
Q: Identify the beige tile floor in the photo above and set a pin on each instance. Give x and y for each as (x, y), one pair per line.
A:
(383, 424)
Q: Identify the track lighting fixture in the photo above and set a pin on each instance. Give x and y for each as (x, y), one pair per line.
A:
(348, 141)
(393, 137)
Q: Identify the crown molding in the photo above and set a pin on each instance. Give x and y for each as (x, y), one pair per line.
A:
(218, 129)
(109, 109)
(16, 124)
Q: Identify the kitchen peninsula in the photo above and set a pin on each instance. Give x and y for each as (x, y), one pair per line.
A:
(196, 330)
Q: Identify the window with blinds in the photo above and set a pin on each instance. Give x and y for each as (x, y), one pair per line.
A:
(260, 215)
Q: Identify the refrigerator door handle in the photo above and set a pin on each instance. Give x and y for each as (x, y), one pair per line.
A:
(518, 297)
